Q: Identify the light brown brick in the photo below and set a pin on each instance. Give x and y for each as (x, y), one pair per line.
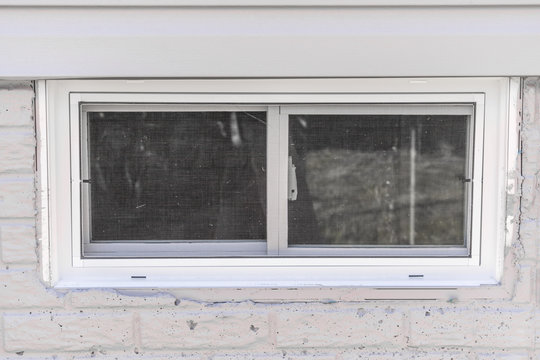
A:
(50, 331)
(16, 104)
(343, 328)
(21, 289)
(169, 329)
(18, 243)
(17, 196)
(493, 327)
(17, 150)
(503, 355)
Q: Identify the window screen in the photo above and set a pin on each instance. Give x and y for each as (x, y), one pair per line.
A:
(378, 180)
(174, 176)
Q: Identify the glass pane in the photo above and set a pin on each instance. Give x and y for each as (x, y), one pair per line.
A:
(380, 180)
(177, 175)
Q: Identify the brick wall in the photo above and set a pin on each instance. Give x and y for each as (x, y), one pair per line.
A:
(37, 322)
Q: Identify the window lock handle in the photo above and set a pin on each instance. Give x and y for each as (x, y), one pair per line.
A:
(292, 184)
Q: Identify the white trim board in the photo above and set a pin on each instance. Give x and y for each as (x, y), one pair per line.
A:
(210, 42)
(263, 3)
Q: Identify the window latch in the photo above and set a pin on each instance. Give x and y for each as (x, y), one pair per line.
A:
(293, 186)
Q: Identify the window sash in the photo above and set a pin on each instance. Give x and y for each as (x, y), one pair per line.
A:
(163, 249)
(474, 109)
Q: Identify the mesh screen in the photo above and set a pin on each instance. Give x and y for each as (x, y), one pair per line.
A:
(378, 180)
(177, 175)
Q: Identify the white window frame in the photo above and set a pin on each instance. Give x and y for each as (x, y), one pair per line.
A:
(59, 139)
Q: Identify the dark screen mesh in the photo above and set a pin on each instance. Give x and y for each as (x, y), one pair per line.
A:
(177, 175)
(378, 180)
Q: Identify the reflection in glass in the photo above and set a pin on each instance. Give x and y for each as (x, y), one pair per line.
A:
(177, 175)
(378, 180)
